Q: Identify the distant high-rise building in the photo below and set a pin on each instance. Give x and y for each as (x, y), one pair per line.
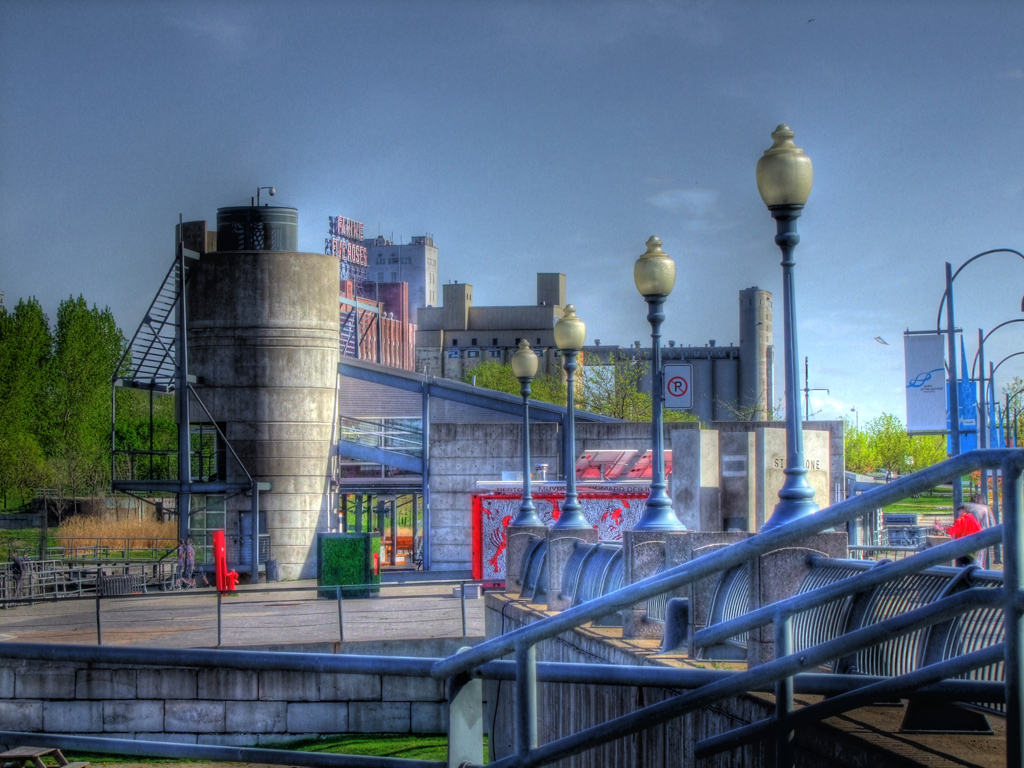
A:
(414, 263)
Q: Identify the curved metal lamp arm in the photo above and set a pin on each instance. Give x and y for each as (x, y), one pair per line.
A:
(996, 368)
(984, 338)
(938, 317)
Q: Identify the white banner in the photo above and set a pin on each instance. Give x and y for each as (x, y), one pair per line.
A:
(926, 383)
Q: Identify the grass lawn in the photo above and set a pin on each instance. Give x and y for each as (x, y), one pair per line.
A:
(403, 745)
(938, 502)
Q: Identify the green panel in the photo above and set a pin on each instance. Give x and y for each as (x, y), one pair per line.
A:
(347, 559)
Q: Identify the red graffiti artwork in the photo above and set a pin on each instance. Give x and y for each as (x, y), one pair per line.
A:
(498, 540)
(613, 518)
(611, 512)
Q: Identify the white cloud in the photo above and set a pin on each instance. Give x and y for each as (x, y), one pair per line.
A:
(696, 202)
(216, 29)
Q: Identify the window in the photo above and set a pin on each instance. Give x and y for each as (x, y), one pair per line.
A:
(473, 353)
(393, 259)
(380, 277)
(406, 260)
(472, 343)
(394, 277)
(538, 341)
(453, 353)
(494, 342)
(495, 353)
(455, 342)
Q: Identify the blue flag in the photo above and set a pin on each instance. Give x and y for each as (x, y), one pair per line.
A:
(968, 402)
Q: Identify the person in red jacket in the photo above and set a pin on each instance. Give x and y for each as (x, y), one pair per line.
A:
(965, 525)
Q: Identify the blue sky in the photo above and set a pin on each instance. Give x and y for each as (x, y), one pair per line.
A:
(535, 136)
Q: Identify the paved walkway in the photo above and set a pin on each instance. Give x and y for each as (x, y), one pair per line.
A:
(281, 613)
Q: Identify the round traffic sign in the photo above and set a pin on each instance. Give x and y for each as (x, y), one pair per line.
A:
(677, 386)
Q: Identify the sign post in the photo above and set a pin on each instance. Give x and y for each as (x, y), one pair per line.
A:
(678, 378)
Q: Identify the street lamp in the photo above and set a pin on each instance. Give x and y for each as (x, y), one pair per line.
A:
(954, 395)
(655, 275)
(570, 336)
(856, 413)
(784, 178)
(524, 366)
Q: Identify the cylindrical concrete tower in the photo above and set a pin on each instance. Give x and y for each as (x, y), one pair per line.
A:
(263, 340)
(755, 338)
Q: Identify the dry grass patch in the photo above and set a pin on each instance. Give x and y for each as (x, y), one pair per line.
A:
(144, 534)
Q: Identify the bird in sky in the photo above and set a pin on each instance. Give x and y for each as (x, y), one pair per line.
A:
(880, 340)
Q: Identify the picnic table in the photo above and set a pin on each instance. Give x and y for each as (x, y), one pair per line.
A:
(19, 756)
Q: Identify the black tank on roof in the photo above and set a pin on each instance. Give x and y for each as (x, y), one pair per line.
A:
(248, 228)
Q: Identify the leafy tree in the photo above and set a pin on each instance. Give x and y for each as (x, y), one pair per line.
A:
(87, 347)
(890, 443)
(859, 452)
(614, 390)
(26, 347)
(499, 377)
(927, 450)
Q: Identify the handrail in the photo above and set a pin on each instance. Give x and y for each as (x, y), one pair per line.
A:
(883, 690)
(943, 553)
(777, 538)
(660, 712)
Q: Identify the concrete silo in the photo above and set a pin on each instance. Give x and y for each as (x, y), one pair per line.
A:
(263, 329)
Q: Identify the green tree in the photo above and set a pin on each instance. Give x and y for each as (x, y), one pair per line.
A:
(87, 347)
(858, 450)
(499, 377)
(927, 450)
(890, 443)
(26, 347)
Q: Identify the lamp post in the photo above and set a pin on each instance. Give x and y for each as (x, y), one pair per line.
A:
(524, 366)
(954, 394)
(655, 275)
(570, 335)
(784, 178)
(856, 414)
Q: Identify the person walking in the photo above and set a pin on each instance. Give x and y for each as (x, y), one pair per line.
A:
(190, 564)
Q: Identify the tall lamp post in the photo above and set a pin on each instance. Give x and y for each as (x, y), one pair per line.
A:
(655, 275)
(954, 395)
(570, 336)
(784, 178)
(524, 366)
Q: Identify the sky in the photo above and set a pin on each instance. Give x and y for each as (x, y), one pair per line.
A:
(541, 137)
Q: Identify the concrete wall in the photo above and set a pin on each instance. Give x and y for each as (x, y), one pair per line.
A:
(235, 707)
(263, 337)
(460, 456)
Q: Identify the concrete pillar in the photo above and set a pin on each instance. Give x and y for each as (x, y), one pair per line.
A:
(264, 341)
(777, 576)
(518, 538)
(736, 454)
(561, 543)
(645, 554)
(694, 484)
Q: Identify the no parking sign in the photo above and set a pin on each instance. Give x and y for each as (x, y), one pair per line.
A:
(678, 378)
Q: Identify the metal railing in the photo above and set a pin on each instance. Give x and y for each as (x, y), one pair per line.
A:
(136, 605)
(786, 674)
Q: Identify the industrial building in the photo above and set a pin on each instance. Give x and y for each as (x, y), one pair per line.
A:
(730, 383)
(414, 263)
(456, 337)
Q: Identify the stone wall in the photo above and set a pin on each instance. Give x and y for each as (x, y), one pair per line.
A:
(223, 706)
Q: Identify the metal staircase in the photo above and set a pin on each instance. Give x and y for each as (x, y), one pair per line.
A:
(149, 360)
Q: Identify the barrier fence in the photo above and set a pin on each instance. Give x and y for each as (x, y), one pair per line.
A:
(319, 611)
